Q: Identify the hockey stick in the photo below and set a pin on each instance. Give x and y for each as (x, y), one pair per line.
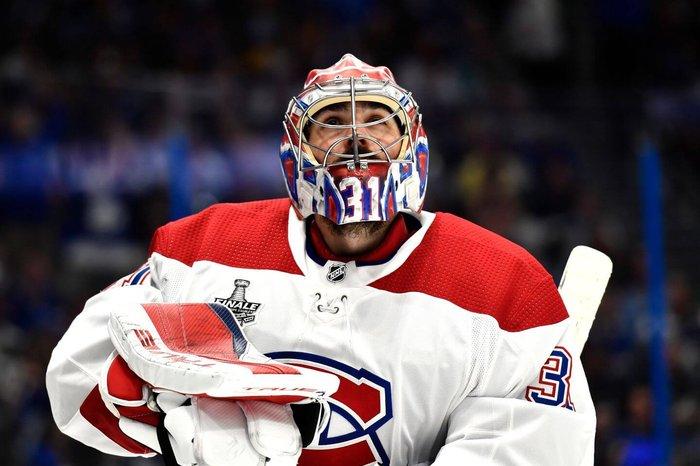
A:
(582, 287)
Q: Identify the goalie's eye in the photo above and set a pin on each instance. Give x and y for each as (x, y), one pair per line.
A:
(332, 120)
(375, 118)
(336, 114)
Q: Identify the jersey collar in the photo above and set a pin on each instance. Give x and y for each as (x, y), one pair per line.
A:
(358, 271)
(399, 231)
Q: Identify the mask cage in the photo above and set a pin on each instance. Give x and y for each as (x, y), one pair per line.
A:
(301, 111)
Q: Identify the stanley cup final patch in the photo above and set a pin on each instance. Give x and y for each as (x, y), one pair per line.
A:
(243, 310)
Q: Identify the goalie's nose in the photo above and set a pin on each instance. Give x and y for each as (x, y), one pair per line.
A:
(361, 145)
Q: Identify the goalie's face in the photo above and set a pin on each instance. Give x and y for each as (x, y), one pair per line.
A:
(353, 148)
(377, 133)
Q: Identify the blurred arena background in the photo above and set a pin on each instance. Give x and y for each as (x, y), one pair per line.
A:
(116, 116)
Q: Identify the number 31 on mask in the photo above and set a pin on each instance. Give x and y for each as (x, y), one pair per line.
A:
(361, 198)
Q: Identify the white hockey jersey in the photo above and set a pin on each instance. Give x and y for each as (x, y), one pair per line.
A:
(456, 350)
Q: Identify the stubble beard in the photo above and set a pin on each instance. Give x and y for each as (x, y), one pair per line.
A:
(358, 230)
(352, 238)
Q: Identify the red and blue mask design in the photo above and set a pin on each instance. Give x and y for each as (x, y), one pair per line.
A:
(357, 174)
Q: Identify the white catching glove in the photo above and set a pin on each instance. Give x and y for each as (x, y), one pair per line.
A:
(238, 412)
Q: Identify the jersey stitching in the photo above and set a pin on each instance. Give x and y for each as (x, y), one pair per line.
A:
(83, 370)
(92, 378)
(530, 293)
(77, 413)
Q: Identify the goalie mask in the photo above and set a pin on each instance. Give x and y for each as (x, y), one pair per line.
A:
(354, 148)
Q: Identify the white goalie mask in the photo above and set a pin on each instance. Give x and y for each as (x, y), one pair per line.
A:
(362, 172)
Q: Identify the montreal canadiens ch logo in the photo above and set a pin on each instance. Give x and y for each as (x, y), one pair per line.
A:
(359, 408)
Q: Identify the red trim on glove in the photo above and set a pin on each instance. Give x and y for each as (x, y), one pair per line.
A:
(140, 413)
(122, 382)
(196, 329)
(96, 413)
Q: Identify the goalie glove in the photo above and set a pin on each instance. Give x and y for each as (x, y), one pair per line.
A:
(216, 432)
(207, 431)
(198, 351)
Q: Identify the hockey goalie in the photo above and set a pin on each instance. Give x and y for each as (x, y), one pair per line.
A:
(343, 325)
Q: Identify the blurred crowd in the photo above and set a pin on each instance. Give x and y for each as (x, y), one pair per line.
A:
(112, 110)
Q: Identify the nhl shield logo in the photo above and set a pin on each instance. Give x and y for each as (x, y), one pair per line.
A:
(336, 273)
(243, 310)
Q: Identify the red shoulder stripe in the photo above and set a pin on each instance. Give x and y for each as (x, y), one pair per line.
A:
(481, 272)
(248, 235)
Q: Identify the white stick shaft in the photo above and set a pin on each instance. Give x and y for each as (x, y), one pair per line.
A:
(582, 287)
